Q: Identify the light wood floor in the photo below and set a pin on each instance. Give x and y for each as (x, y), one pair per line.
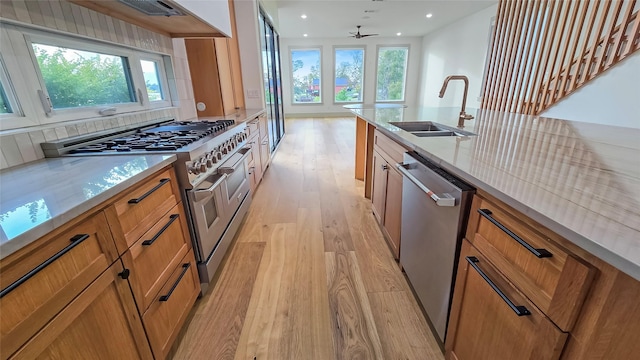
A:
(310, 275)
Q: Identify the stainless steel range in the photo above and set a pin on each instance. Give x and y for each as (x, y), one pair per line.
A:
(210, 167)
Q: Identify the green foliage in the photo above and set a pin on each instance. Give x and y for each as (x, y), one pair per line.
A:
(83, 81)
(342, 95)
(353, 72)
(391, 72)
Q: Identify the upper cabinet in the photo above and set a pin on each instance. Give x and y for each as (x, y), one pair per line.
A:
(174, 18)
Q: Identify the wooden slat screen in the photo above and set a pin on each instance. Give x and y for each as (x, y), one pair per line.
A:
(543, 50)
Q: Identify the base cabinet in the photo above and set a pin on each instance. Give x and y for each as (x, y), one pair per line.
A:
(485, 326)
(101, 323)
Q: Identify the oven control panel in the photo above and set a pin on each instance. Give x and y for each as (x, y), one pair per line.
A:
(208, 163)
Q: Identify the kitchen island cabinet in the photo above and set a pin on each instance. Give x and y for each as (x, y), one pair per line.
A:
(87, 289)
(537, 178)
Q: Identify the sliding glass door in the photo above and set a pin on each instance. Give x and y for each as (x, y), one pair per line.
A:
(270, 43)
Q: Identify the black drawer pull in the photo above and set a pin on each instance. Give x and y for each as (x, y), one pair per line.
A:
(173, 218)
(77, 239)
(520, 310)
(185, 267)
(540, 253)
(137, 200)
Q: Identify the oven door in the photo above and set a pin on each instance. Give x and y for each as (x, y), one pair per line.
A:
(236, 185)
(207, 205)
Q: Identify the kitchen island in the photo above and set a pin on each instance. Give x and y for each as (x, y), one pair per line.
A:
(569, 186)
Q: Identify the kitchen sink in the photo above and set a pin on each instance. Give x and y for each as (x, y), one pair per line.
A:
(429, 129)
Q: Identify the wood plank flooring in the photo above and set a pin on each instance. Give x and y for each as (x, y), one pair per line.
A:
(309, 275)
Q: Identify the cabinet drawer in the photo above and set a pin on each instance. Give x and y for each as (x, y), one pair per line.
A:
(254, 144)
(262, 123)
(137, 210)
(491, 319)
(252, 128)
(556, 281)
(153, 258)
(170, 308)
(38, 281)
(391, 150)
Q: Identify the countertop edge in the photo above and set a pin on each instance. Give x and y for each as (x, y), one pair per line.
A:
(582, 242)
(46, 227)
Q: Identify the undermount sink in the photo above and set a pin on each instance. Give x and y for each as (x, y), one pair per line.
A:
(429, 129)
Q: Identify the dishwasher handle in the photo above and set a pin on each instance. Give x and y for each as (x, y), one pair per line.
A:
(443, 200)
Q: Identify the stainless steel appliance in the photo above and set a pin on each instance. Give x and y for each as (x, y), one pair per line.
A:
(210, 167)
(435, 206)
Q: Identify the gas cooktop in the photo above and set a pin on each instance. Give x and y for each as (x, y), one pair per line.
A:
(160, 137)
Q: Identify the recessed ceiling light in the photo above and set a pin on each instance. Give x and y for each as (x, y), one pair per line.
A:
(399, 34)
(303, 16)
(305, 35)
(429, 15)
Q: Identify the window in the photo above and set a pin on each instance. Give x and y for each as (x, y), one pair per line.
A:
(306, 75)
(349, 67)
(78, 78)
(5, 106)
(391, 73)
(151, 76)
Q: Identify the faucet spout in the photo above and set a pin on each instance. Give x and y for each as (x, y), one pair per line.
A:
(463, 115)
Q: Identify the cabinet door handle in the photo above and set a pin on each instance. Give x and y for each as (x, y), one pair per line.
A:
(75, 241)
(137, 200)
(540, 253)
(155, 237)
(384, 167)
(520, 310)
(166, 297)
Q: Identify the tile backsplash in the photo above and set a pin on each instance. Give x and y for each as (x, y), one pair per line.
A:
(19, 146)
(23, 145)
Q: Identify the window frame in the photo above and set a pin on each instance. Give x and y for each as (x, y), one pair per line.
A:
(321, 89)
(26, 77)
(335, 68)
(406, 71)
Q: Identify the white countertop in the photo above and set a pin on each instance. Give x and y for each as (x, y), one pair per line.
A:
(580, 180)
(38, 197)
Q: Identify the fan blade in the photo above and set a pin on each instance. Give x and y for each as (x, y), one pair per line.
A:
(365, 35)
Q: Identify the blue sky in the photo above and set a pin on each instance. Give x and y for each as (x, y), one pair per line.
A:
(309, 58)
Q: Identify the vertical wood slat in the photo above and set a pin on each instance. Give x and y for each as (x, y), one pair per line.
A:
(504, 22)
(547, 92)
(519, 59)
(605, 41)
(541, 53)
(513, 40)
(570, 68)
(501, 15)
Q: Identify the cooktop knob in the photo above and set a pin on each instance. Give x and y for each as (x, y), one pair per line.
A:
(209, 163)
(203, 167)
(194, 169)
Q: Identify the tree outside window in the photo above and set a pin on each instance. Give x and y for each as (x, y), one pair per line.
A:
(349, 74)
(306, 75)
(391, 74)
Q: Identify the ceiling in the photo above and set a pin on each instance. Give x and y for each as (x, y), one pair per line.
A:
(335, 19)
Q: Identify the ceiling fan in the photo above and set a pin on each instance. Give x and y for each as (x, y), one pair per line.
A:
(357, 35)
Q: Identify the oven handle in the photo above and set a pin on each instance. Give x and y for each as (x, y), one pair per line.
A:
(201, 194)
(231, 169)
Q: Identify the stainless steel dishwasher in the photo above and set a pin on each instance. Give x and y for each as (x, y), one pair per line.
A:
(435, 206)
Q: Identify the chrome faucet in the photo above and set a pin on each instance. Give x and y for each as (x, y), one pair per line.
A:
(463, 115)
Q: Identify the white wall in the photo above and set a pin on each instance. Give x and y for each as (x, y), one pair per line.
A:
(611, 99)
(457, 49)
(327, 46)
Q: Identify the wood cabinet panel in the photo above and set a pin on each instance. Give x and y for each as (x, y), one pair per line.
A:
(393, 151)
(393, 210)
(557, 284)
(101, 323)
(265, 153)
(77, 255)
(168, 312)
(151, 264)
(483, 326)
(224, 75)
(130, 220)
(379, 186)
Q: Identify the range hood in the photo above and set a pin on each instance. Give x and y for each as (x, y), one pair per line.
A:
(153, 7)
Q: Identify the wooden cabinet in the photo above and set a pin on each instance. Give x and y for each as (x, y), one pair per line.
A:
(265, 148)
(254, 160)
(100, 323)
(386, 189)
(510, 265)
(493, 320)
(216, 74)
(88, 289)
